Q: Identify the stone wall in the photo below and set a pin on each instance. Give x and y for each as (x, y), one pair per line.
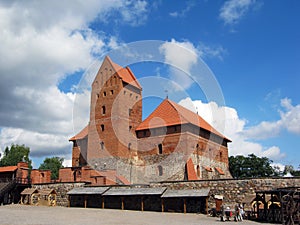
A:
(61, 190)
(233, 190)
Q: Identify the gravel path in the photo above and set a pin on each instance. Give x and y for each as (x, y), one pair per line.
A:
(40, 215)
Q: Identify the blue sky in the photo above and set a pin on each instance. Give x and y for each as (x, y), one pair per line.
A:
(251, 46)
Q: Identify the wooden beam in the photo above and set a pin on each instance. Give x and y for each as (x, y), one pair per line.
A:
(85, 201)
(142, 204)
(206, 205)
(122, 203)
(69, 201)
(162, 205)
(103, 203)
(184, 205)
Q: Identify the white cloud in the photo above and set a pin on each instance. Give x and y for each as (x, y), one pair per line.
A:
(227, 121)
(184, 11)
(41, 43)
(289, 120)
(233, 10)
(182, 56)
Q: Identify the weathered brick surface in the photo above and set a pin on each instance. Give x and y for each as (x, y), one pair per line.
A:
(40, 176)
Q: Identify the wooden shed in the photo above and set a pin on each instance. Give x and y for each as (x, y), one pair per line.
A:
(47, 197)
(186, 201)
(134, 198)
(87, 197)
(30, 196)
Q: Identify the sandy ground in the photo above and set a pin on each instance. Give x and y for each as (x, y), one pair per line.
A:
(41, 215)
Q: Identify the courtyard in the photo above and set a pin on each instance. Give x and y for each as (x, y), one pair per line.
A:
(41, 215)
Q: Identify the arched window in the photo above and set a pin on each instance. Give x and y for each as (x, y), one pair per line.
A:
(160, 170)
(102, 127)
(104, 93)
(160, 150)
(103, 110)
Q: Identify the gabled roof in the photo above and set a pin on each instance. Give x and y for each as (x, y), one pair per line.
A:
(81, 135)
(169, 113)
(8, 169)
(125, 74)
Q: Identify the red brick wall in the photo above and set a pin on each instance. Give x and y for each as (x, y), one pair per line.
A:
(40, 176)
(109, 90)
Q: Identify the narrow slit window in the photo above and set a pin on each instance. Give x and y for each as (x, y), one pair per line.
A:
(160, 170)
(103, 110)
(160, 150)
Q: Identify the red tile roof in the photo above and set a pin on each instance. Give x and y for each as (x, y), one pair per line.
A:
(125, 74)
(8, 169)
(81, 135)
(169, 113)
(191, 170)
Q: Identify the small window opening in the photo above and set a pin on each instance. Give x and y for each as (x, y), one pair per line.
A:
(198, 170)
(129, 112)
(102, 127)
(104, 93)
(160, 170)
(103, 110)
(129, 145)
(102, 145)
(111, 92)
(130, 127)
(160, 151)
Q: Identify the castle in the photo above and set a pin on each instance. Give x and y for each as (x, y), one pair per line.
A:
(172, 143)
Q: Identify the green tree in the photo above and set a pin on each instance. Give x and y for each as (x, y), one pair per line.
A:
(15, 154)
(53, 164)
(251, 166)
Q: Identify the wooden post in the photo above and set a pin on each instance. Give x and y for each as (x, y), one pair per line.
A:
(85, 201)
(142, 204)
(206, 205)
(69, 201)
(162, 205)
(122, 203)
(103, 203)
(257, 206)
(184, 206)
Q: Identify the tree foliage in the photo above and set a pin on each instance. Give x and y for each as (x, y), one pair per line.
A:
(15, 154)
(53, 164)
(251, 166)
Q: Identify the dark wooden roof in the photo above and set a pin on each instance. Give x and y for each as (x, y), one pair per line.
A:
(134, 191)
(186, 193)
(88, 191)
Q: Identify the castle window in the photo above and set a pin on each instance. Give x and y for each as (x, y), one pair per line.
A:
(160, 170)
(160, 150)
(102, 145)
(130, 127)
(221, 155)
(104, 93)
(198, 170)
(103, 110)
(111, 92)
(129, 145)
(97, 96)
(102, 127)
(129, 111)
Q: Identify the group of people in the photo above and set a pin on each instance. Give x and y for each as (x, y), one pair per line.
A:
(239, 212)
